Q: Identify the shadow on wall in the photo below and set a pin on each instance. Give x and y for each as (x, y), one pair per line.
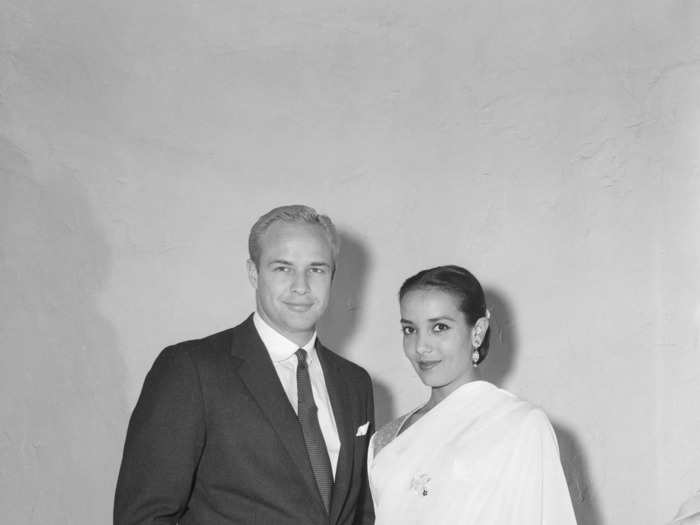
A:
(342, 319)
(577, 477)
(383, 405)
(503, 341)
(504, 347)
(61, 399)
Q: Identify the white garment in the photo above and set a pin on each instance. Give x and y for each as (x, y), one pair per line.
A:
(282, 352)
(479, 457)
(689, 513)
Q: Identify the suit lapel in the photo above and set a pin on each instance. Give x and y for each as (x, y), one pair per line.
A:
(258, 374)
(343, 413)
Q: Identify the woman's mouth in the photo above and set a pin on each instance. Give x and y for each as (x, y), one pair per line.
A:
(427, 365)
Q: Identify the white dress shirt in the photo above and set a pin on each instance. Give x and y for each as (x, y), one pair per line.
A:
(282, 352)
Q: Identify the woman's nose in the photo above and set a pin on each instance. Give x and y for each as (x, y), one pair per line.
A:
(423, 346)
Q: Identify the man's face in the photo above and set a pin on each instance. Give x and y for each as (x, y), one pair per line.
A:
(293, 278)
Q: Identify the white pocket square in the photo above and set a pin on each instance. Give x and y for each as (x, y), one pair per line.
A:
(362, 429)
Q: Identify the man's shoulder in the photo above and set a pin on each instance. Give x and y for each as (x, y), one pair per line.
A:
(210, 346)
(343, 364)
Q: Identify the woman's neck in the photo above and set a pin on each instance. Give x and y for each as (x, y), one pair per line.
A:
(439, 394)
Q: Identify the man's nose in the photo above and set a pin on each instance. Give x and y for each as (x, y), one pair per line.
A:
(300, 283)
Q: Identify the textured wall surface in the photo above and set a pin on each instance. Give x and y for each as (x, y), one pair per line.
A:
(550, 147)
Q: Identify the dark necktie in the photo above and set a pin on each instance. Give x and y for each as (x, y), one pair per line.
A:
(308, 418)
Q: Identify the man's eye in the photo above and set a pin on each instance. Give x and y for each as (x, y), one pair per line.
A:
(407, 330)
(440, 327)
(318, 270)
(281, 269)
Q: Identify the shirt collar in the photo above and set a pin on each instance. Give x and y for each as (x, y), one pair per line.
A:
(278, 346)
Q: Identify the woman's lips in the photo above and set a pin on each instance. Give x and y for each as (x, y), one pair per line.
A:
(427, 365)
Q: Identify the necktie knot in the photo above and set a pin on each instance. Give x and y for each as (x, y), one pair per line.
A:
(301, 358)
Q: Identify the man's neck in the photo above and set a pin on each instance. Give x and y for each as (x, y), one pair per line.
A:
(300, 339)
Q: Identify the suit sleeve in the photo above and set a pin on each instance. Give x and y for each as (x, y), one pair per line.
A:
(163, 445)
(365, 508)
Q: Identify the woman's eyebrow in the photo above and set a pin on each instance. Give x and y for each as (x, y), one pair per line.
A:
(441, 318)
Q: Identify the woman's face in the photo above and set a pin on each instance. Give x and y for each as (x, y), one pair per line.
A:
(436, 339)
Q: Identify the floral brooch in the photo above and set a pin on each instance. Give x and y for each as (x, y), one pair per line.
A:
(419, 484)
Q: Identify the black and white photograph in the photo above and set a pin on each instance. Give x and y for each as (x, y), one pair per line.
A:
(349, 263)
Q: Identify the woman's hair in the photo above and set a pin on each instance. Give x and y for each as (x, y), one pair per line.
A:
(459, 283)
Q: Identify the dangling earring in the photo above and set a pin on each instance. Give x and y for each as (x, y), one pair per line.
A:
(476, 356)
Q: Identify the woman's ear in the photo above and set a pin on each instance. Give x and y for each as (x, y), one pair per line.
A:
(479, 331)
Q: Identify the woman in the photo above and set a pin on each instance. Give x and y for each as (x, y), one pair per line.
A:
(473, 454)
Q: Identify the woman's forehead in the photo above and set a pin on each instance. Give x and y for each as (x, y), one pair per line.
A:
(429, 302)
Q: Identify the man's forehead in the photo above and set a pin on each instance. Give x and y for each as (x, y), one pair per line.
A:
(295, 240)
(292, 228)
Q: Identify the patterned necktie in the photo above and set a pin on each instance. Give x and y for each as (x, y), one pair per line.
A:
(308, 418)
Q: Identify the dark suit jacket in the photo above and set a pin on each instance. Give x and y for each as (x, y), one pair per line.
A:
(214, 440)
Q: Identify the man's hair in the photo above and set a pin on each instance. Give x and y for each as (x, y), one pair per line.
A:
(296, 214)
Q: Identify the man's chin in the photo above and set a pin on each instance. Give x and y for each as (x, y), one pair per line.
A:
(301, 327)
(302, 322)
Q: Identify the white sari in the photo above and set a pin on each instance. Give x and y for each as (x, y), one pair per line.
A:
(689, 513)
(479, 457)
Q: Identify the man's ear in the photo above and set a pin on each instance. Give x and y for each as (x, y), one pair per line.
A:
(252, 273)
(479, 331)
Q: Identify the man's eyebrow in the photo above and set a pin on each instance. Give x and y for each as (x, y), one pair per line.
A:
(405, 321)
(280, 261)
(285, 262)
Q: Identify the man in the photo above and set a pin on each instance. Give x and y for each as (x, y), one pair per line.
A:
(259, 424)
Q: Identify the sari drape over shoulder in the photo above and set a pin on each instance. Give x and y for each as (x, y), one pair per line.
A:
(480, 457)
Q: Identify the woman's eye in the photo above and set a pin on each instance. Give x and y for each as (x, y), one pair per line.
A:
(407, 330)
(440, 327)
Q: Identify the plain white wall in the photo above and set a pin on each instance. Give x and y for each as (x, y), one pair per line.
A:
(551, 148)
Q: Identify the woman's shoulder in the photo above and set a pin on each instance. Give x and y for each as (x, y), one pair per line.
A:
(526, 412)
(387, 433)
(528, 420)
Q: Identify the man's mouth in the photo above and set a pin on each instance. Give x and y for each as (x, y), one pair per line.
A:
(299, 307)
